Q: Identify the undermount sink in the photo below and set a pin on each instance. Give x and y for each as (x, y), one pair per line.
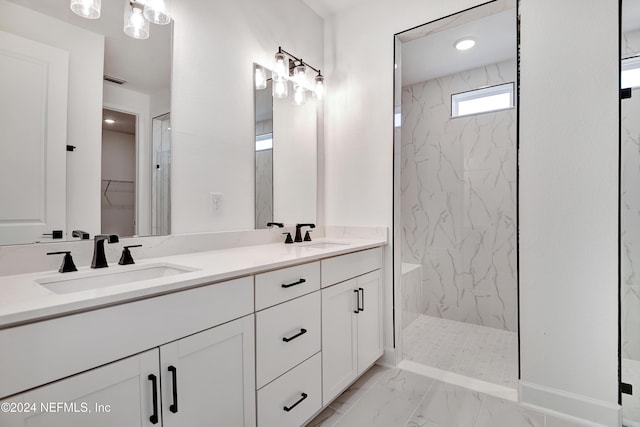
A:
(87, 280)
(325, 245)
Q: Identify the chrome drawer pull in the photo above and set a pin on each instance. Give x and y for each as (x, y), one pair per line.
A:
(302, 332)
(299, 282)
(304, 396)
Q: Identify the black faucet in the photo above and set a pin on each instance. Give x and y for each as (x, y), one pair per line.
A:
(83, 235)
(298, 237)
(275, 224)
(99, 259)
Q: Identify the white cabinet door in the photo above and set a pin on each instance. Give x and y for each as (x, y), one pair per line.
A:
(33, 119)
(339, 336)
(118, 394)
(208, 379)
(370, 346)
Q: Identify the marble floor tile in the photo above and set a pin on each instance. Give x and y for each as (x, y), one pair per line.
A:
(397, 398)
(448, 405)
(498, 412)
(350, 396)
(390, 402)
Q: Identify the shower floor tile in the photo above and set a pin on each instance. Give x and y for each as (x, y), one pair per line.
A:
(479, 352)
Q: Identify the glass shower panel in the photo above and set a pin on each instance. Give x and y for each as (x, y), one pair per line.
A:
(630, 214)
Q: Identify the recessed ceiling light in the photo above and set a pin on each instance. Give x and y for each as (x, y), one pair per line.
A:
(109, 121)
(464, 44)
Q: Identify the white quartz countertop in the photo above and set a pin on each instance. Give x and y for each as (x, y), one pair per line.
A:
(23, 299)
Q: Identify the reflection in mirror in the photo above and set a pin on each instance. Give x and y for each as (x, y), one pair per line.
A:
(286, 158)
(264, 151)
(630, 208)
(72, 55)
(455, 180)
(118, 184)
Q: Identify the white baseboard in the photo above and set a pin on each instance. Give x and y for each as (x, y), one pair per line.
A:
(546, 399)
(388, 358)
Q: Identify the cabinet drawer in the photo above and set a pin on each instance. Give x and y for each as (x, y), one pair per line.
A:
(344, 267)
(297, 322)
(301, 384)
(282, 285)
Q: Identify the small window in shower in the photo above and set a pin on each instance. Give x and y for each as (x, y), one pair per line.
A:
(485, 100)
(264, 142)
(630, 73)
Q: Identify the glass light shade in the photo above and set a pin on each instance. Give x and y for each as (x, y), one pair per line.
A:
(134, 23)
(158, 11)
(281, 65)
(300, 74)
(299, 94)
(86, 8)
(261, 78)
(280, 87)
(319, 89)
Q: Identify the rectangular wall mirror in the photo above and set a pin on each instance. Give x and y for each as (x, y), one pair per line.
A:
(59, 72)
(286, 157)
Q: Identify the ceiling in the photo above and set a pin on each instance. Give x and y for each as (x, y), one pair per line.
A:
(434, 55)
(326, 8)
(124, 123)
(144, 64)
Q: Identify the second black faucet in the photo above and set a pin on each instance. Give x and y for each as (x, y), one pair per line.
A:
(298, 237)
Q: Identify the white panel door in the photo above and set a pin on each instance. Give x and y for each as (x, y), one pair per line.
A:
(118, 394)
(208, 379)
(370, 346)
(33, 133)
(339, 335)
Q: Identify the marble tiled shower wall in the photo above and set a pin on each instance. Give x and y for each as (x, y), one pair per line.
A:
(459, 199)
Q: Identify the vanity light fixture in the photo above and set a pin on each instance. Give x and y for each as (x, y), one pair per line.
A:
(319, 89)
(465, 43)
(157, 11)
(288, 67)
(89, 9)
(298, 94)
(137, 14)
(134, 23)
(109, 121)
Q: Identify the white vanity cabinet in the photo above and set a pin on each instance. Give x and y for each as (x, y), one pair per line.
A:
(206, 379)
(288, 333)
(120, 393)
(351, 319)
(269, 349)
(82, 355)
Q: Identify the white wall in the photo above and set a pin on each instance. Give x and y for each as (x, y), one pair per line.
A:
(84, 115)
(569, 146)
(132, 102)
(215, 46)
(568, 185)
